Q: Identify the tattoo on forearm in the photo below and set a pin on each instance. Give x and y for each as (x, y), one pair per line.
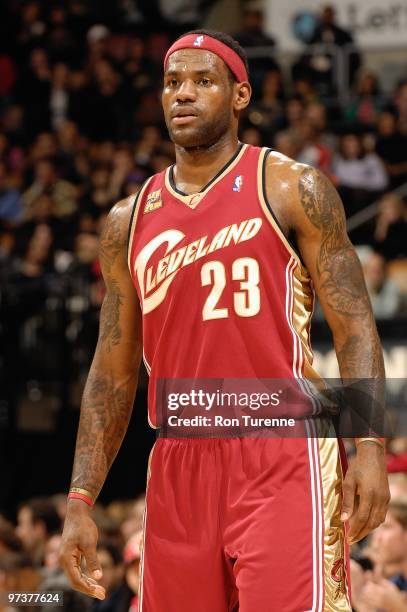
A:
(110, 332)
(111, 242)
(341, 276)
(105, 415)
(358, 355)
(110, 388)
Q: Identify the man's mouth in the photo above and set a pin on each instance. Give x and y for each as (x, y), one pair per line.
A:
(183, 116)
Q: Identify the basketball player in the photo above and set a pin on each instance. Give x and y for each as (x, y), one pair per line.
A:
(210, 274)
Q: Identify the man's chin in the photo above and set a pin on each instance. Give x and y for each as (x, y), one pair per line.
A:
(188, 138)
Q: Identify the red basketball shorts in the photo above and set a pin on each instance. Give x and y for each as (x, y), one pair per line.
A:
(244, 524)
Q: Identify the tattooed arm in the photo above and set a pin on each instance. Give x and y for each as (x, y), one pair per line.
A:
(308, 205)
(338, 278)
(107, 400)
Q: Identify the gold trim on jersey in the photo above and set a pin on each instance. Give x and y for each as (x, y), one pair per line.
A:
(193, 199)
(137, 204)
(302, 291)
(335, 578)
(301, 318)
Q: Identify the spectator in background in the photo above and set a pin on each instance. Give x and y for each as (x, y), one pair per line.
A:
(33, 92)
(384, 294)
(17, 573)
(132, 555)
(111, 562)
(360, 176)
(97, 40)
(60, 41)
(133, 521)
(13, 127)
(398, 484)
(391, 146)
(367, 104)
(147, 143)
(304, 88)
(384, 585)
(401, 106)
(9, 541)
(79, 104)
(319, 65)
(252, 35)
(46, 182)
(134, 183)
(316, 116)
(10, 199)
(391, 227)
(32, 27)
(268, 113)
(45, 145)
(397, 465)
(252, 136)
(313, 151)
(107, 105)
(287, 143)
(37, 522)
(295, 112)
(329, 32)
(71, 144)
(357, 169)
(139, 71)
(389, 541)
(122, 167)
(59, 96)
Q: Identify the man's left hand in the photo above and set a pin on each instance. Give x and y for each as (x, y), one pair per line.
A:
(365, 491)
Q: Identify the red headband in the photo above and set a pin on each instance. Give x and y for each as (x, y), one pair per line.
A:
(207, 43)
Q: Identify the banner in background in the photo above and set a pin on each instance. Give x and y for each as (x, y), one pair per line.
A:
(374, 24)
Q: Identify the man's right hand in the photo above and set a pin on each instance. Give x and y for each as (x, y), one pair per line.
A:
(79, 540)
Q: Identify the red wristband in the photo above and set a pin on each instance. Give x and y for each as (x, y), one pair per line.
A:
(84, 498)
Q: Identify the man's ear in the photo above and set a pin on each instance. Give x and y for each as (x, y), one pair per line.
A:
(243, 93)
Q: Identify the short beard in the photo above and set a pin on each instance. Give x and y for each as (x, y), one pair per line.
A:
(205, 136)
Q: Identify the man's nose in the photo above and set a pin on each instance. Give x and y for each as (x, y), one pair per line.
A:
(186, 91)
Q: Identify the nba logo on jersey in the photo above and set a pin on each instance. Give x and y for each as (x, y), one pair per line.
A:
(238, 184)
(198, 41)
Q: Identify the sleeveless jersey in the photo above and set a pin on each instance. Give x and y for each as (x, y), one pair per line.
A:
(223, 294)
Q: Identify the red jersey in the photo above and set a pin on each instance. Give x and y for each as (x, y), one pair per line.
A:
(223, 294)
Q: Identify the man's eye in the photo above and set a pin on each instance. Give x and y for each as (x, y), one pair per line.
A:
(172, 82)
(204, 81)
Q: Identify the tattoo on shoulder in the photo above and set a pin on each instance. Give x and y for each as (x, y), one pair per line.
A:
(337, 263)
(111, 241)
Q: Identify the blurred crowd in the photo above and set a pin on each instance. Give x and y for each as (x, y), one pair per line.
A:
(80, 128)
(29, 554)
(379, 565)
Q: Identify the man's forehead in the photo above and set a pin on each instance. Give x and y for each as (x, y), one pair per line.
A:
(193, 59)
